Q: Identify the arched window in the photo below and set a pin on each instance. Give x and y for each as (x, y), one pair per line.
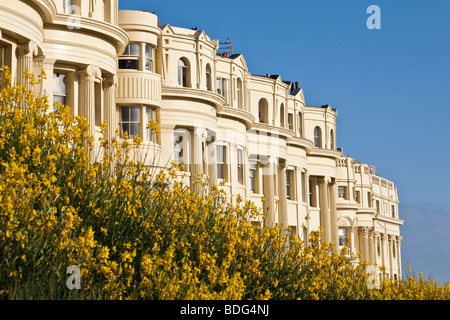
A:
(317, 137)
(282, 124)
(183, 72)
(332, 140)
(263, 111)
(239, 93)
(208, 78)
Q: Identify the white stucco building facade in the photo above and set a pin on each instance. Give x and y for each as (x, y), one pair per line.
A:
(252, 135)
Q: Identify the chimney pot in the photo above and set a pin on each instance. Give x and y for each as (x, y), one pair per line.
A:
(296, 84)
(225, 54)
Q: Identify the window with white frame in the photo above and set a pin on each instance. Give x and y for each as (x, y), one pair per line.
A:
(59, 88)
(342, 192)
(252, 174)
(222, 88)
(240, 165)
(221, 161)
(342, 232)
(239, 93)
(68, 6)
(129, 121)
(290, 188)
(183, 71)
(317, 137)
(130, 57)
(181, 145)
(208, 78)
(148, 57)
(149, 114)
(290, 121)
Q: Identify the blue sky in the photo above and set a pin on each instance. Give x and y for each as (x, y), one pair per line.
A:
(391, 88)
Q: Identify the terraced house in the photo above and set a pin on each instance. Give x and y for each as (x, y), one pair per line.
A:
(252, 135)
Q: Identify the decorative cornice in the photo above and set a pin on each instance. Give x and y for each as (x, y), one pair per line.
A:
(246, 117)
(84, 24)
(325, 153)
(210, 97)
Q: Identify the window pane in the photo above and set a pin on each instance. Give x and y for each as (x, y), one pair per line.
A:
(219, 154)
(148, 51)
(134, 49)
(342, 236)
(127, 50)
(135, 116)
(220, 171)
(59, 83)
(125, 128)
(148, 117)
(61, 99)
(134, 129)
(181, 63)
(129, 64)
(148, 64)
(124, 114)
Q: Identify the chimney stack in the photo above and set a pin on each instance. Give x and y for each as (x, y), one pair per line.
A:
(296, 84)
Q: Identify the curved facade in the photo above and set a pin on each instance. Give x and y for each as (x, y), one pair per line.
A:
(251, 135)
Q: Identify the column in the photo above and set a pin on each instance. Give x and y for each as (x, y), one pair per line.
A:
(383, 244)
(333, 214)
(268, 172)
(211, 162)
(371, 247)
(353, 233)
(282, 196)
(324, 209)
(109, 87)
(399, 257)
(197, 165)
(25, 53)
(364, 231)
(87, 98)
(391, 270)
(46, 86)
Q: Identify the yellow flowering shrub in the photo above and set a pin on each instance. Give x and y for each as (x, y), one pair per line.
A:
(140, 234)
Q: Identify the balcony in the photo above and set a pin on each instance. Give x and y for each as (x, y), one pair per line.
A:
(138, 87)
